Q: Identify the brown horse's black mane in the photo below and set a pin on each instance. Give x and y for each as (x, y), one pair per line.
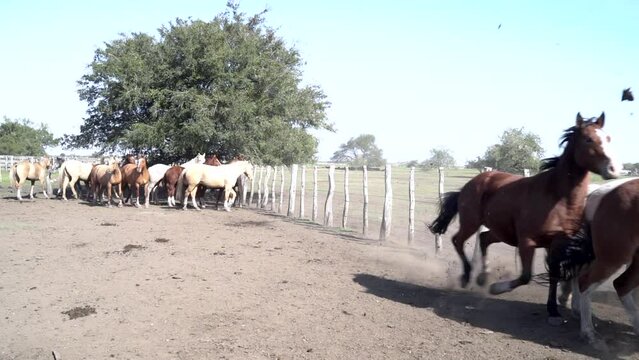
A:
(551, 162)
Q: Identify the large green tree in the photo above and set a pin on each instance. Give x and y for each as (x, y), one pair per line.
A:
(22, 137)
(359, 151)
(516, 151)
(229, 86)
(440, 157)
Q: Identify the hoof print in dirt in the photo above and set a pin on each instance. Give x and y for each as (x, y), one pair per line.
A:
(161, 240)
(130, 247)
(108, 224)
(78, 312)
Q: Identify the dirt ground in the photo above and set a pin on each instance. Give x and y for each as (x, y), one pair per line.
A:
(96, 283)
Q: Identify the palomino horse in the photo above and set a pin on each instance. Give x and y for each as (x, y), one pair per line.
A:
(33, 172)
(529, 212)
(137, 175)
(609, 241)
(105, 177)
(201, 189)
(71, 171)
(214, 177)
(157, 171)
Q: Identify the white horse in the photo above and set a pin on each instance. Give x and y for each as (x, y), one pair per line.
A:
(157, 171)
(222, 176)
(69, 173)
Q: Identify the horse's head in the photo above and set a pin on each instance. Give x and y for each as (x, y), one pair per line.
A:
(200, 158)
(247, 169)
(213, 160)
(45, 162)
(592, 148)
(140, 163)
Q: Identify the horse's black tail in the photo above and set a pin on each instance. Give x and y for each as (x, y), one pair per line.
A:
(568, 256)
(448, 208)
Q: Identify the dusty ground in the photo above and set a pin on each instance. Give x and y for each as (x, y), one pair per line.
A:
(95, 283)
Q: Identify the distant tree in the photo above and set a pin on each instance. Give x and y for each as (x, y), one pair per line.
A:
(440, 157)
(632, 167)
(412, 163)
(21, 137)
(360, 151)
(517, 150)
(229, 86)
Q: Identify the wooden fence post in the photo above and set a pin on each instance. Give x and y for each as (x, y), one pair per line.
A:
(347, 199)
(273, 188)
(385, 229)
(255, 168)
(314, 210)
(281, 203)
(365, 210)
(328, 206)
(266, 192)
(259, 187)
(411, 205)
(438, 238)
(291, 192)
(302, 191)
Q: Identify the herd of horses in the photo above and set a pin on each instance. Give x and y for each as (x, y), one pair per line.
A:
(589, 232)
(112, 177)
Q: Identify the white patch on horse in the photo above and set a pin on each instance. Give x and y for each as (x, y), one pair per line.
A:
(608, 152)
(594, 199)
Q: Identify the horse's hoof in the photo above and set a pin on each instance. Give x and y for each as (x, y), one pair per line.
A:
(556, 321)
(146, 206)
(482, 278)
(500, 288)
(595, 341)
(464, 280)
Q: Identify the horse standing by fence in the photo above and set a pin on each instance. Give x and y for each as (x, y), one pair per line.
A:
(137, 175)
(530, 212)
(214, 177)
(33, 172)
(157, 172)
(104, 178)
(609, 240)
(72, 171)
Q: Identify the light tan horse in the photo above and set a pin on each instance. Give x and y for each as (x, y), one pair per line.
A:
(105, 177)
(137, 175)
(71, 171)
(33, 172)
(222, 176)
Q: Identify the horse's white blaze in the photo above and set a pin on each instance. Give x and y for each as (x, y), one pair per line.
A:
(594, 199)
(629, 304)
(609, 153)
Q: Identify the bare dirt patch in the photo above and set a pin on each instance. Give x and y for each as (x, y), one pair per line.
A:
(249, 285)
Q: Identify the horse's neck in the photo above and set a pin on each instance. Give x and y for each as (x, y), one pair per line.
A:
(570, 181)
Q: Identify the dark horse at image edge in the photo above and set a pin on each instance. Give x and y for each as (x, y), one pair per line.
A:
(530, 212)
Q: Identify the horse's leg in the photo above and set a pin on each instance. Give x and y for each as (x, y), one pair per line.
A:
(137, 195)
(459, 238)
(65, 183)
(624, 285)
(194, 198)
(575, 301)
(146, 195)
(74, 180)
(526, 254)
(32, 187)
(18, 188)
(588, 283)
(554, 318)
(109, 192)
(566, 292)
(119, 194)
(43, 182)
(485, 239)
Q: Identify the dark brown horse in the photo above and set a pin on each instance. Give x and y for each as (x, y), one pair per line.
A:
(609, 241)
(170, 181)
(529, 212)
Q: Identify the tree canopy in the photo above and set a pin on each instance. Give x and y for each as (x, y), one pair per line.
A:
(359, 151)
(517, 150)
(440, 157)
(21, 137)
(229, 86)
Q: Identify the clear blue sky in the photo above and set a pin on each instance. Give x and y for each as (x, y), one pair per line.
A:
(416, 74)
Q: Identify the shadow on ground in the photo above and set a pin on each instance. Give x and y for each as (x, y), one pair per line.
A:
(521, 320)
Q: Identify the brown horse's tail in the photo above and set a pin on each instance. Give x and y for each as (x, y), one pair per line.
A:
(569, 255)
(448, 209)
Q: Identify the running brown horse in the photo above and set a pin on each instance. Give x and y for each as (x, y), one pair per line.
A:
(529, 212)
(137, 175)
(609, 241)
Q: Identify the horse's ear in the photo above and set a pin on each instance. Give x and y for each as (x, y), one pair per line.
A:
(601, 119)
(580, 120)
